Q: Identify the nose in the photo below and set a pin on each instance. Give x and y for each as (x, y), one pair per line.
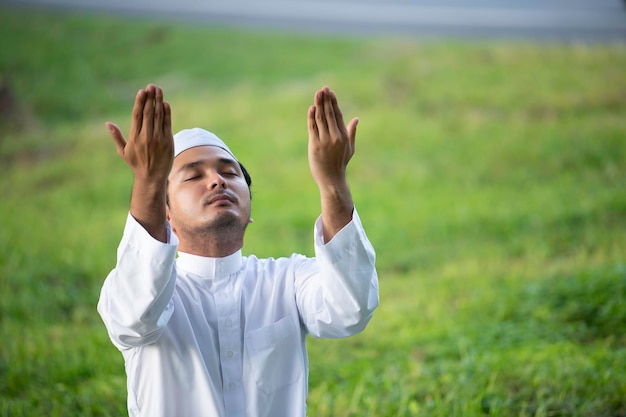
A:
(216, 181)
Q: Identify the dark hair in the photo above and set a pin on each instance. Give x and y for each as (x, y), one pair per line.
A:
(246, 176)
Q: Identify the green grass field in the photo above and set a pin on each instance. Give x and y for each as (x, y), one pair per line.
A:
(491, 178)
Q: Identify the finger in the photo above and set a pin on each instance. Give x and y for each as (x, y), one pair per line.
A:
(167, 118)
(158, 110)
(148, 110)
(137, 120)
(312, 125)
(320, 119)
(337, 111)
(331, 121)
(118, 137)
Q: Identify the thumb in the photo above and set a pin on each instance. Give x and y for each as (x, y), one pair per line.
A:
(352, 130)
(118, 137)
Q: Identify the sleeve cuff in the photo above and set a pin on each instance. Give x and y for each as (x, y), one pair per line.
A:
(342, 237)
(133, 229)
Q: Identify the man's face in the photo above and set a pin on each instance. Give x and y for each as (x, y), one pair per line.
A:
(207, 192)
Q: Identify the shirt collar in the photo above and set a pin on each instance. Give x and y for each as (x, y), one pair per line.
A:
(210, 267)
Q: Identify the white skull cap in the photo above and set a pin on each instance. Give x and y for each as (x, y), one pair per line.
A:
(190, 138)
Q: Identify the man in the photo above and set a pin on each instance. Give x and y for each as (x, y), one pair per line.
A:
(205, 331)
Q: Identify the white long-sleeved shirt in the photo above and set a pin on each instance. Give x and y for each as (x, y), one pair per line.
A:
(225, 337)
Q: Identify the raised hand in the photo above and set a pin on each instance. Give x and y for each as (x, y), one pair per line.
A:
(331, 146)
(149, 151)
(331, 143)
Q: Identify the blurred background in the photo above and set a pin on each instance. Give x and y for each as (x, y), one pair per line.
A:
(587, 20)
(490, 175)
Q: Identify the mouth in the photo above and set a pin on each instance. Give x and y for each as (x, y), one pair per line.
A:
(221, 198)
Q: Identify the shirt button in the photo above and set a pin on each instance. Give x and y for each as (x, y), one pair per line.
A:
(231, 385)
(228, 323)
(229, 354)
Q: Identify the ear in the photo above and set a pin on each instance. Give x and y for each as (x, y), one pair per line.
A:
(168, 217)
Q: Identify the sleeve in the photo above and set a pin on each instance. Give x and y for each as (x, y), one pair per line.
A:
(136, 297)
(337, 292)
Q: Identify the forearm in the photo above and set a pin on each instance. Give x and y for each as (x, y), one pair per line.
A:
(337, 208)
(148, 206)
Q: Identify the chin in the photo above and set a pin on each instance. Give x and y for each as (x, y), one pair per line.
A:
(223, 220)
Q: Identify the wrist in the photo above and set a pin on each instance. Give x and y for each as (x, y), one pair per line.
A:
(149, 182)
(336, 197)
